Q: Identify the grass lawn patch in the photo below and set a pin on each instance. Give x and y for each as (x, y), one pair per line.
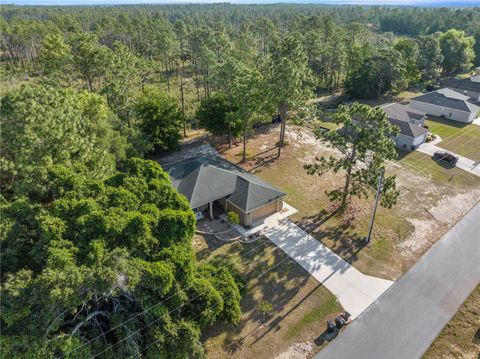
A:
(313, 316)
(457, 137)
(440, 173)
(300, 305)
(461, 336)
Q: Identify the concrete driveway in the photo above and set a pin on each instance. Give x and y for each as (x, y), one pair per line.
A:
(408, 317)
(463, 163)
(354, 290)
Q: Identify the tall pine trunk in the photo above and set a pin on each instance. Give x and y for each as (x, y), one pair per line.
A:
(244, 155)
(347, 179)
(283, 118)
(182, 99)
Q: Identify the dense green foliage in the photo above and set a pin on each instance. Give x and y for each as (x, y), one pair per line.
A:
(289, 80)
(457, 50)
(85, 262)
(160, 120)
(44, 125)
(119, 50)
(217, 115)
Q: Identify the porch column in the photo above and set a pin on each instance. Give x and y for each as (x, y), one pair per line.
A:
(210, 210)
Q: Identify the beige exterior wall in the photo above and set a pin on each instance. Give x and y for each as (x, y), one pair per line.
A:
(264, 210)
(247, 219)
(241, 215)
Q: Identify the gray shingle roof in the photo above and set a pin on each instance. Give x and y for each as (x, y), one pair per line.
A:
(206, 178)
(402, 112)
(407, 128)
(467, 84)
(400, 115)
(447, 98)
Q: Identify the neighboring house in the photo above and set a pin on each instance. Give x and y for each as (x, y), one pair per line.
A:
(410, 122)
(207, 179)
(446, 103)
(469, 86)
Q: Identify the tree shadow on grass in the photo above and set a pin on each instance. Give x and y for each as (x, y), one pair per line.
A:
(263, 162)
(268, 274)
(339, 238)
(345, 243)
(275, 323)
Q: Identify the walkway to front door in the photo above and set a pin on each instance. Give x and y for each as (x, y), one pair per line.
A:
(355, 290)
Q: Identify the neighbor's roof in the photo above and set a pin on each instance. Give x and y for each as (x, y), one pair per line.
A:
(447, 98)
(206, 178)
(467, 84)
(407, 128)
(402, 112)
(400, 116)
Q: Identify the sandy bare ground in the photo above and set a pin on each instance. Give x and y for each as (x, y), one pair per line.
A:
(297, 351)
(439, 207)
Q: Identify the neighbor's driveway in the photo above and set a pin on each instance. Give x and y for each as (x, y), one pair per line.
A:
(408, 317)
(463, 163)
(354, 290)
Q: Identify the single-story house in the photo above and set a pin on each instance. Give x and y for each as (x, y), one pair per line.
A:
(469, 86)
(410, 121)
(446, 103)
(206, 179)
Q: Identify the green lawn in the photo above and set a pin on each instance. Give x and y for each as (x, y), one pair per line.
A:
(324, 119)
(457, 137)
(441, 174)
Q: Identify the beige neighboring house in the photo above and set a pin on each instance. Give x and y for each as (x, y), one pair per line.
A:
(448, 104)
(207, 180)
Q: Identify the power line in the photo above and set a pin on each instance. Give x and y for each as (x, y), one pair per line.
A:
(153, 306)
(156, 341)
(287, 257)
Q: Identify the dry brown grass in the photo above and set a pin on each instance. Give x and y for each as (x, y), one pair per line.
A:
(461, 336)
(301, 305)
(401, 235)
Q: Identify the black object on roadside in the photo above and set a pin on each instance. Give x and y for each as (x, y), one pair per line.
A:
(339, 321)
(330, 326)
(345, 315)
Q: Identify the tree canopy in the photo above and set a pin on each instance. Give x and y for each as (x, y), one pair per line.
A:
(364, 140)
(289, 80)
(160, 120)
(457, 50)
(98, 267)
(44, 125)
(217, 115)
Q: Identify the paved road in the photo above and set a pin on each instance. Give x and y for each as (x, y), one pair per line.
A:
(403, 322)
(354, 290)
(463, 163)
